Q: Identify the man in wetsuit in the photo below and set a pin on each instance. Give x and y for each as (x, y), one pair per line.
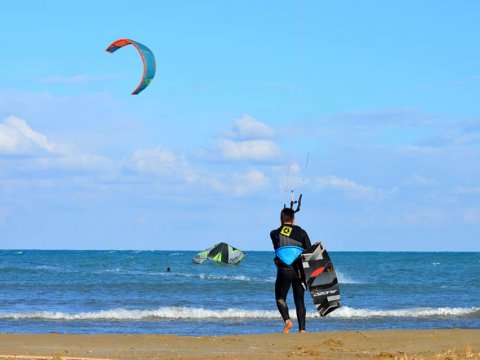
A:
(289, 275)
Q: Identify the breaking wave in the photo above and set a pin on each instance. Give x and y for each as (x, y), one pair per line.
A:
(345, 279)
(423, 312)
(187, 313)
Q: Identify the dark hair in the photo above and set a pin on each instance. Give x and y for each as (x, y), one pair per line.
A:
(287, 215)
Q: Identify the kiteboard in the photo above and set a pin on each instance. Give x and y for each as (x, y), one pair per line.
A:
(321, 279)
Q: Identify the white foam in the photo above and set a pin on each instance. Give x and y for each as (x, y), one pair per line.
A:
(114, 270)
(225, 277)
(48, 267)
(212, 277)
(187, 313)
(349, 313)
(166, 313)
(345, 279)
(187, 275)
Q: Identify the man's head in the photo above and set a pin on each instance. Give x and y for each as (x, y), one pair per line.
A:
(287, 216)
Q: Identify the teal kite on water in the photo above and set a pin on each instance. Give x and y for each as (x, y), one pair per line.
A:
(221, 253)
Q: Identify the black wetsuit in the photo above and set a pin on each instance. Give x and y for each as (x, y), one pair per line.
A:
(289, 275)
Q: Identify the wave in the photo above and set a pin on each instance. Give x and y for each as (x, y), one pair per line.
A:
(33, 269)
(187, 313)
(215, 277)
(166, 313)
(423, 312)
(203, 276)
(345, 279)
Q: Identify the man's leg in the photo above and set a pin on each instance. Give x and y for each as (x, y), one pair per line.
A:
(282, 285)
(299, 298)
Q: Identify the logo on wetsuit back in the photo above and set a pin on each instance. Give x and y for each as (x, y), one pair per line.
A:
(286, 230)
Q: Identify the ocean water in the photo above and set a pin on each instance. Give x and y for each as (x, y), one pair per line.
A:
(132, 292)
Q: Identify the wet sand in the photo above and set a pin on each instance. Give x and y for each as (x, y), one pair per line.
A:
(408, 344)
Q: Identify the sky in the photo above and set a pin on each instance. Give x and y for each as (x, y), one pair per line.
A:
(370, 109)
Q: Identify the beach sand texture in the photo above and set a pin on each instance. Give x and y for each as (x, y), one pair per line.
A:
(396, 344)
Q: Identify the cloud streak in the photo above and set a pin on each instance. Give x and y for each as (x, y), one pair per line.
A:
(347, 186)
(248, 127)
(18, 138)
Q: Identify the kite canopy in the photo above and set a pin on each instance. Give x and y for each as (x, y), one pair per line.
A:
(221, 253)
(148, 59)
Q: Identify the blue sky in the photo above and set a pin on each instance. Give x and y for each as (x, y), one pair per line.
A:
(370, 109)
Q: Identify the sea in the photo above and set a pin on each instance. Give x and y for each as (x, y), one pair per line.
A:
(163, 292)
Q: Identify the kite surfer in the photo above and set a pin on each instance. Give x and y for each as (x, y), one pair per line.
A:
(290, 236)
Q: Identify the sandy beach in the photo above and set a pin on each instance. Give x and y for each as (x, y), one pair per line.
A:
(414, 344)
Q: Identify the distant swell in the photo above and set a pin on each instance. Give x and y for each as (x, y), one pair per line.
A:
(185, 313)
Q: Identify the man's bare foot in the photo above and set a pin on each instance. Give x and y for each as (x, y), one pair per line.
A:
(287, 327)
(302, 331)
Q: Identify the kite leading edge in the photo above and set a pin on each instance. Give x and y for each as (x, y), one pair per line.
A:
(148, 59)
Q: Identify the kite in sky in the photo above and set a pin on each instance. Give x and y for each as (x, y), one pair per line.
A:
(147, 58)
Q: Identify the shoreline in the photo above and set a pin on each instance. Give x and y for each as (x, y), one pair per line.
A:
(373, 344)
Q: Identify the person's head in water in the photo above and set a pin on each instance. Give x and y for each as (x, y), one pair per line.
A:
(287, 216)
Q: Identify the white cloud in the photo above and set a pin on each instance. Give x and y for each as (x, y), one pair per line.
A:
(18, 138)
(162, 163)
(240, 184)
(290, 176)
(248, 150)
(346, 185)
(249, 140)
(165, 165)
(250, 182)
(249, 128)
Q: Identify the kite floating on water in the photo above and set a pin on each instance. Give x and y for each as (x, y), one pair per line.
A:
(221, 253)
(147, 58)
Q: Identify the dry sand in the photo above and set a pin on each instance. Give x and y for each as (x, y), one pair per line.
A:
(414, 344)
